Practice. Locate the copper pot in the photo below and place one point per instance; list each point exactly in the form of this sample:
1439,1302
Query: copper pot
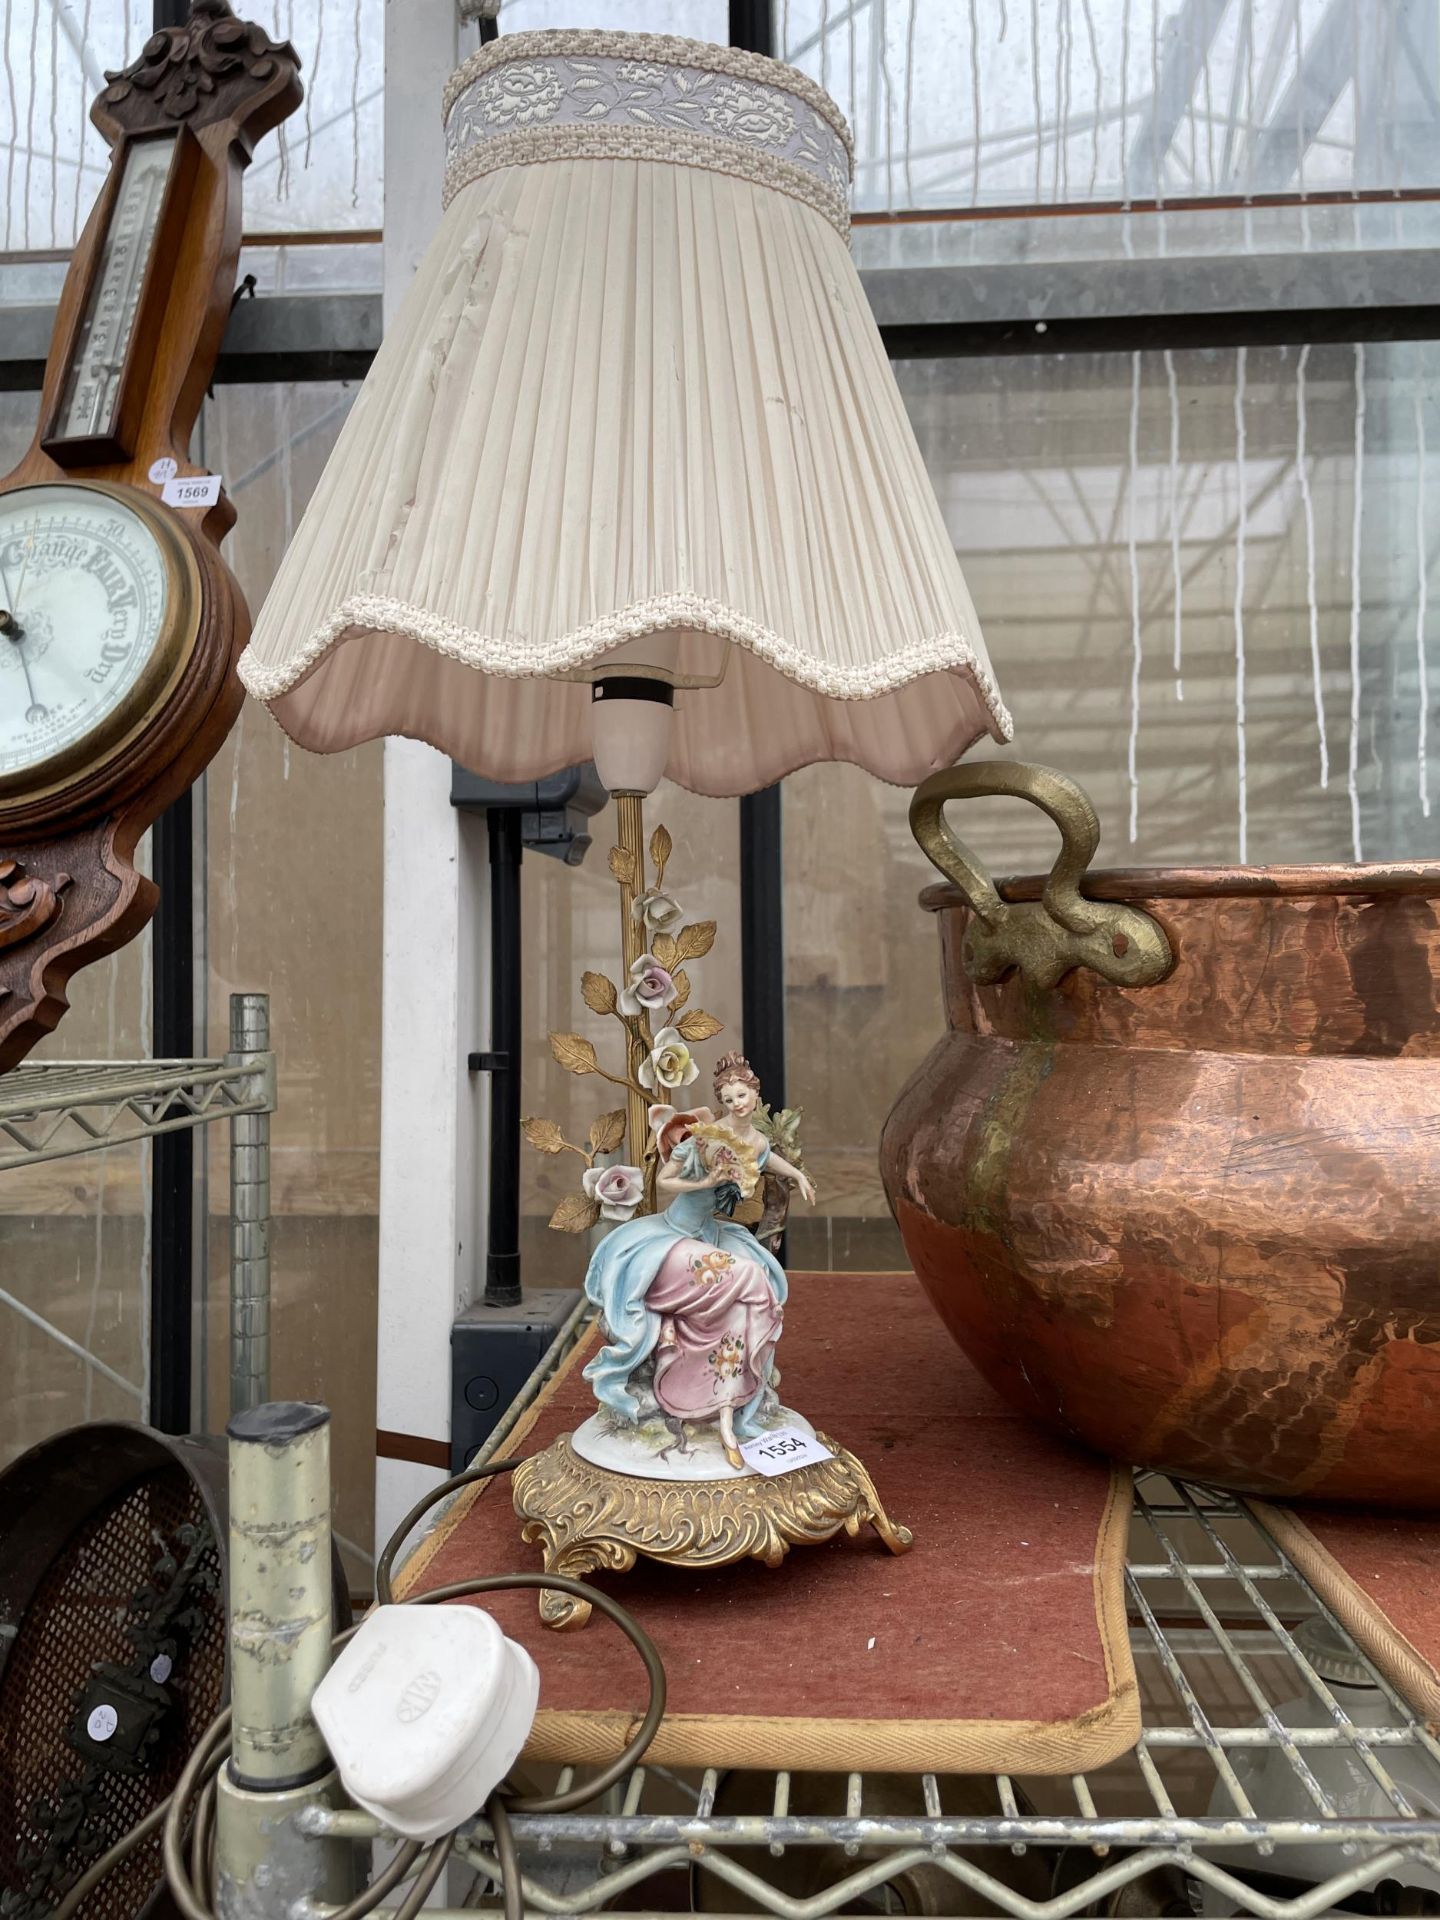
1172,1178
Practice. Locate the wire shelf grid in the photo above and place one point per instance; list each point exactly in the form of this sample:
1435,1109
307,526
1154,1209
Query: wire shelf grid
53,1109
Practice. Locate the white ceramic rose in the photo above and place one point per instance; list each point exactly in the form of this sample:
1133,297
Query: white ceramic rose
670,1064
660,911
619,1190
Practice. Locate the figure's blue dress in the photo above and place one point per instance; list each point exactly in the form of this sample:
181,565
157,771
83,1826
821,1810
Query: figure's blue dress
706,1273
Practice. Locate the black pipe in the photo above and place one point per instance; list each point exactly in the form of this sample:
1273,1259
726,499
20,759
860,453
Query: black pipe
762,919
172,1155
762,941
752,25
502,1261
172,1162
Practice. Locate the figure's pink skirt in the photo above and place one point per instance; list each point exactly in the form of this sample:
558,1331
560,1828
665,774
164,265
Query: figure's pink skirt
726,1321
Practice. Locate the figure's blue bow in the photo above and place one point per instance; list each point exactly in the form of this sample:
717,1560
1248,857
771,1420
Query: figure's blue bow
727,1198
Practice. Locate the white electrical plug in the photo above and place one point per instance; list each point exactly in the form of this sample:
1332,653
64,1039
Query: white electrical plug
425,1712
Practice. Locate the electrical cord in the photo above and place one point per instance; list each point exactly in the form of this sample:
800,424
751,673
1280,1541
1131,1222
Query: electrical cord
427,1876
508,1855
384,1595
193,1800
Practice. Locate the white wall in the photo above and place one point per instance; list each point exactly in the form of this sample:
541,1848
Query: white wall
434,986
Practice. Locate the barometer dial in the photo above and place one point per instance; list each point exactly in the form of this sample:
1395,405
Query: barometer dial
97,611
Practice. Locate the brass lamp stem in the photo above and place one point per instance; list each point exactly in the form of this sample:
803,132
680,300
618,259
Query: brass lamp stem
630,830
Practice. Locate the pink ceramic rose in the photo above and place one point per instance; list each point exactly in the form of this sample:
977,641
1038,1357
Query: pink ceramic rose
619,1190
670,1128
651,989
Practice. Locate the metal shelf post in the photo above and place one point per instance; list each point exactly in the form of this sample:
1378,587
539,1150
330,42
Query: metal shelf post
250,1206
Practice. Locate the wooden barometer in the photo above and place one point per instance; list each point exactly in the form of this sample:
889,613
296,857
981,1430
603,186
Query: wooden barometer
120,624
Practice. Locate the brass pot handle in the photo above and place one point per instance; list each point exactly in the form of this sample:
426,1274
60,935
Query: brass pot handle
1044,938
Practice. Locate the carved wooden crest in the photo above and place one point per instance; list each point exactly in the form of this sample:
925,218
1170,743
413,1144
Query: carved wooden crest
214,68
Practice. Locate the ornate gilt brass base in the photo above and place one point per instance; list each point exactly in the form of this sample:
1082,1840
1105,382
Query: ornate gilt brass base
586,1517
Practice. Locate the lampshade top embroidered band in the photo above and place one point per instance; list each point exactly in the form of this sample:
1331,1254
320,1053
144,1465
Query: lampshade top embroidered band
538,96
633,414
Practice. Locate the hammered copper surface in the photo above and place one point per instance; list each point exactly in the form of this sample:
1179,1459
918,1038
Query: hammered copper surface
1195,1225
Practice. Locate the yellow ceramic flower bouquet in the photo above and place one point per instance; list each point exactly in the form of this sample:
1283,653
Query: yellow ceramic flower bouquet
659,1028
736,1160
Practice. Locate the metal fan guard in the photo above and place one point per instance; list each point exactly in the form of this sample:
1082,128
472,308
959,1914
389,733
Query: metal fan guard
82,1519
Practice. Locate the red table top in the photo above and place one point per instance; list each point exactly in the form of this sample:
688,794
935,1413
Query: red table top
996,1644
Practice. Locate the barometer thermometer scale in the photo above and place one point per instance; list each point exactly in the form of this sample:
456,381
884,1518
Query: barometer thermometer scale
147,198
120,624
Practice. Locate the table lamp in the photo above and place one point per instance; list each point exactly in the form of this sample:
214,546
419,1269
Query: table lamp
631,478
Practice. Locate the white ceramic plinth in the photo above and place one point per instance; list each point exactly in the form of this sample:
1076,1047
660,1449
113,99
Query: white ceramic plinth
652,1452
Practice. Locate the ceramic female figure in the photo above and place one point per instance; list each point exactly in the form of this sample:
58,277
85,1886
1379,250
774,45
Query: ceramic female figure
693,1304
738,1091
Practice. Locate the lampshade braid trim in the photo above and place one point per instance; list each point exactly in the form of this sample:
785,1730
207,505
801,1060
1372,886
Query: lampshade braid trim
608,96
529,144
664,48
527,660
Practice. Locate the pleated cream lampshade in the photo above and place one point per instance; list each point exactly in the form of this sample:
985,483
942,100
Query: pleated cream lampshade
633,419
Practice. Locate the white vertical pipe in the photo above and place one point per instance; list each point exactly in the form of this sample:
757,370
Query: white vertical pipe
1352,777
975,141
314,81
1300,137
1176,577
1035,94
13,145
909,99
1241,516
1063,36
1132,543
282,173
1422,600
32,95
1312,603
1099,107
358,28
57,239
1127,236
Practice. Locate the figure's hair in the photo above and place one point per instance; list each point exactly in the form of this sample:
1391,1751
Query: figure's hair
734,1066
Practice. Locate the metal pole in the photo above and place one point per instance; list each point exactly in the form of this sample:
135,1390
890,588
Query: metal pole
281,1622
630,832
172,1155
762,919
762,940
752,25
250,1208
502,1263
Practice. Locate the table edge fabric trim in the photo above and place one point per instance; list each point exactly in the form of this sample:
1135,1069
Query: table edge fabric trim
1361,1615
